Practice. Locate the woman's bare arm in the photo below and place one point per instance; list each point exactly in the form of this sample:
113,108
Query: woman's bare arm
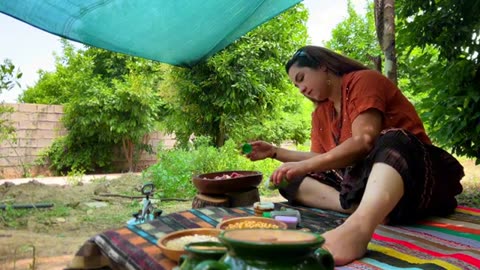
365,130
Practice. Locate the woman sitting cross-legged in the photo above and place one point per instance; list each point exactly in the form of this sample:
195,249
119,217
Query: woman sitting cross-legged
370,155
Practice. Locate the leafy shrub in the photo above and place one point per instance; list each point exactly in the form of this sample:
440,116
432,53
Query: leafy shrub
66,155
175,168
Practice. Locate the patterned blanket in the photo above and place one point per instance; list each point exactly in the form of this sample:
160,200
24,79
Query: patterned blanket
435,243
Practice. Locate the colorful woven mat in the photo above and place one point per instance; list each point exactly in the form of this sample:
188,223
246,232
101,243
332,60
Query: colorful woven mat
436,243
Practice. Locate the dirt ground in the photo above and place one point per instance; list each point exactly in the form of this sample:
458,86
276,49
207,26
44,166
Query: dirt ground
48,238
52,235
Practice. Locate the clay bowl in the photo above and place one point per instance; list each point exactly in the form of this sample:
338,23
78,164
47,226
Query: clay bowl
246,180
254,222
173,253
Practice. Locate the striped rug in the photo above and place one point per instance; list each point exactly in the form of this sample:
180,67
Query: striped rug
436,243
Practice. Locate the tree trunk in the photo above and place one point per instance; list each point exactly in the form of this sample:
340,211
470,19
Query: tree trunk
379,26
132,152
385,25
221,136
128,152
389,41
377,61
202,200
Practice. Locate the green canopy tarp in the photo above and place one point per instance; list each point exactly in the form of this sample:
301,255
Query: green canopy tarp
178,32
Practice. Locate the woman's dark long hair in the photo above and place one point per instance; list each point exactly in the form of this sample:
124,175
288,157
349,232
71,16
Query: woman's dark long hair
314,57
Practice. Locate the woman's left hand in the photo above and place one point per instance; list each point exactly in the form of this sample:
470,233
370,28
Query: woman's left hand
289,170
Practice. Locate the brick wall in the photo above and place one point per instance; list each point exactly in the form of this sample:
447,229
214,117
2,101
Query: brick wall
36,126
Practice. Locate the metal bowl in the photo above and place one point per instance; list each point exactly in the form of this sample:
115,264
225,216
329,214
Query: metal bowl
246,180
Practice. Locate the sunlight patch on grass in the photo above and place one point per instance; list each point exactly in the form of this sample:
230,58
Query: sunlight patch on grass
471,193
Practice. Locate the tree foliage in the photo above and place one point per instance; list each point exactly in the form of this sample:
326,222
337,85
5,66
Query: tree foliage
439,43
110,101
122,114
242,92
9,76
73,73
356,36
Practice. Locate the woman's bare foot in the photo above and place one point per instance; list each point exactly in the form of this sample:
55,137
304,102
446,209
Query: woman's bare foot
347,242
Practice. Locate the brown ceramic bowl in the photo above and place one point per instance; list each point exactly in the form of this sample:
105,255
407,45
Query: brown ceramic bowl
207,184
258,221
174,254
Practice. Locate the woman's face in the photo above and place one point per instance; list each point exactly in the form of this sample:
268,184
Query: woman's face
312,83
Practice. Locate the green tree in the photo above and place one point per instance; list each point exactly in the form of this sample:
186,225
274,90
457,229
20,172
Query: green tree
356,36
76,71
439,45
123,114
110,102
242,92
73,73
9,77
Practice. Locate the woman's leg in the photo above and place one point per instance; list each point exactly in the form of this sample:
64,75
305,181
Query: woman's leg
313,193
383,191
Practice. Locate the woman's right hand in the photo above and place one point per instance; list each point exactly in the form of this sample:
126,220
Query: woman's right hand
261,150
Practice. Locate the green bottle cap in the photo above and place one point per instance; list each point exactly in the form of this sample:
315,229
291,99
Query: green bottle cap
267,214
246,148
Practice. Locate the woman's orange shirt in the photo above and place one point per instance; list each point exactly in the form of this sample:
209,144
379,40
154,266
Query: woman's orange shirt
363,90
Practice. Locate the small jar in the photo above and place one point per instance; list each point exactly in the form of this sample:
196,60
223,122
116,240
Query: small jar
262,207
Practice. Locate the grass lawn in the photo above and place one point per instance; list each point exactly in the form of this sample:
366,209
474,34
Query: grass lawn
471,184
